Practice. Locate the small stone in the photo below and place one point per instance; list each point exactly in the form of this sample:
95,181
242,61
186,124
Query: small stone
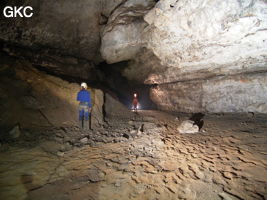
95,175
27,134
59,135
15,132
194,155
84,140
117,184
251,114
60,154
126,135
68,147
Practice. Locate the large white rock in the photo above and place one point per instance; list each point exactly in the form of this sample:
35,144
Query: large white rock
188,126
204,55
199,39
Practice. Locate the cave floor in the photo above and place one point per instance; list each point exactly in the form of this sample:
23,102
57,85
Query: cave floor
226,160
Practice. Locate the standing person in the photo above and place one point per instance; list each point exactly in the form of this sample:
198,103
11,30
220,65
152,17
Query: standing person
135,102
85,107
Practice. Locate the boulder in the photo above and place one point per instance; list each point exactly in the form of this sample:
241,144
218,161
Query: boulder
188,126
15,132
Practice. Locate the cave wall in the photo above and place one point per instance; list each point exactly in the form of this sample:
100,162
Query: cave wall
72,27
34,99
240,93
62,36
202,55
187,48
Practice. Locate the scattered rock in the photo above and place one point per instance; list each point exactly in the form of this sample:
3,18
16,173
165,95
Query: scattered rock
130,122
84,140
188,126
95,175
251,114
126,135
133,131
117,184
51,147
15,132
60,154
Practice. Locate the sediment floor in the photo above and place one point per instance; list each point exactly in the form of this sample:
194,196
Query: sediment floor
144,158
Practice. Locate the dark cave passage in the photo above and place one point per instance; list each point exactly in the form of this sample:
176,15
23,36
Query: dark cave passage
109,78
124,88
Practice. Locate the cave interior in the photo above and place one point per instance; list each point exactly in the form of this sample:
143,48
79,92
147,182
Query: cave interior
198,69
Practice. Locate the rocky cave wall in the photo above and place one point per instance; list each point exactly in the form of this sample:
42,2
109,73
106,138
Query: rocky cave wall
204,55
62,36
32,99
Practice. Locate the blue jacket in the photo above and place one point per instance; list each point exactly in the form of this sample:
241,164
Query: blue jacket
84,97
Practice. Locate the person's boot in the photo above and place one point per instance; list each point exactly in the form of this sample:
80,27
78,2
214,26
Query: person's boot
86,125
81,124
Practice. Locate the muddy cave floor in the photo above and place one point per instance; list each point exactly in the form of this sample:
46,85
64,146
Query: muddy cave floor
142,158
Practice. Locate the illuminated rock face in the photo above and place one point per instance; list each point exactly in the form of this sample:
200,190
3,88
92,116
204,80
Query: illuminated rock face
204,55
241,93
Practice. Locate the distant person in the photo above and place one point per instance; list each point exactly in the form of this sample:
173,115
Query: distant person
135,102
85,107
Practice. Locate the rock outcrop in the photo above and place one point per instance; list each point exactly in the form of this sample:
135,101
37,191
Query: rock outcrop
203,55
